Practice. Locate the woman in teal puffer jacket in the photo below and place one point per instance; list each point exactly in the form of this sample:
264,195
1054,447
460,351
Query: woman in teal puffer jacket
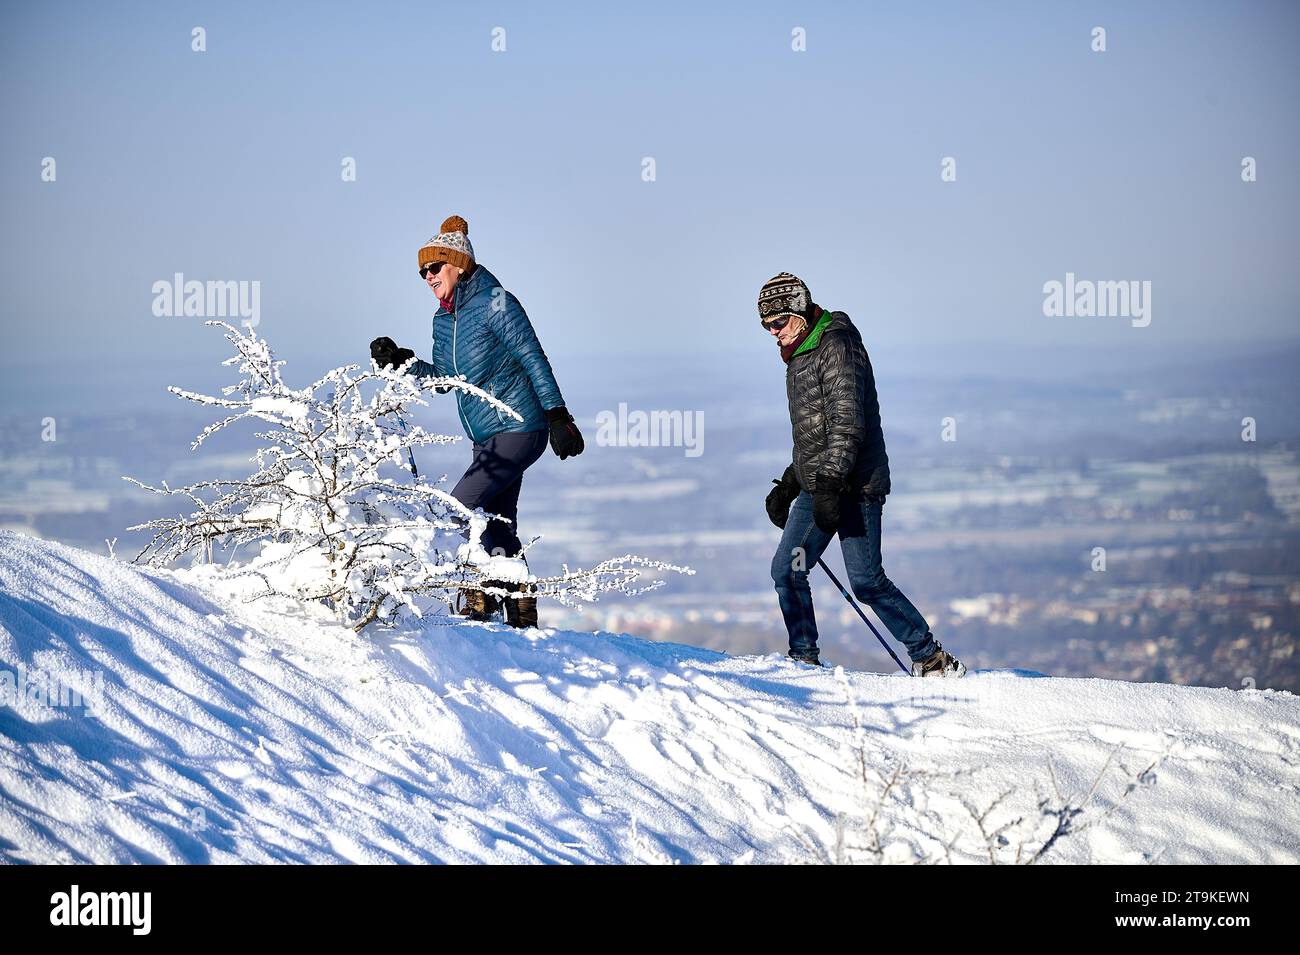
482,332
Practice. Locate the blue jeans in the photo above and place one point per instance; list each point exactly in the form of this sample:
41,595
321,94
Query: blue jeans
803,543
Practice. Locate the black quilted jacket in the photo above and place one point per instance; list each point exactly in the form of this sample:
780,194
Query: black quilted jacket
834,412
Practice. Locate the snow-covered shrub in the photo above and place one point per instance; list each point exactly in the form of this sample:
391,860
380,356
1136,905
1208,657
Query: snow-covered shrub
334,511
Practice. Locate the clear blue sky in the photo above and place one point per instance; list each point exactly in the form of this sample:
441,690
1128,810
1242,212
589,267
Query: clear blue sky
226,165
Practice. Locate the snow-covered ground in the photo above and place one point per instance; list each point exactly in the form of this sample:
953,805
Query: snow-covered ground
228,731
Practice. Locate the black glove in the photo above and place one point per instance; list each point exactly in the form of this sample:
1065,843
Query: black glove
566,439
782,496
385,352
826,503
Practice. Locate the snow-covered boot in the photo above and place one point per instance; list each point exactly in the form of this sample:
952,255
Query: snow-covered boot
477,605
521,612
939,663
809,657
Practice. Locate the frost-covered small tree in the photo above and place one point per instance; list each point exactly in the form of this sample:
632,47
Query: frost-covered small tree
334,511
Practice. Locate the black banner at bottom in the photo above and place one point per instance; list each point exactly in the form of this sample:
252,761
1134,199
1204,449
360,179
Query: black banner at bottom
1220,905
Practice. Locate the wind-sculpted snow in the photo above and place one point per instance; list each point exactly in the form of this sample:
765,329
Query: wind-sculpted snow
265,732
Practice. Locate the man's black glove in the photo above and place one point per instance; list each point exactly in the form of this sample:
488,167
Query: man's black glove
782,496
566,439
826,503
385,352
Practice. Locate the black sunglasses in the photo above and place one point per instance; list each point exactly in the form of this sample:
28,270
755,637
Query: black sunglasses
778,323
430,267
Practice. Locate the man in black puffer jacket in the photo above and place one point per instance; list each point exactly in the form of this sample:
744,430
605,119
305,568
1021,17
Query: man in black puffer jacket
839,475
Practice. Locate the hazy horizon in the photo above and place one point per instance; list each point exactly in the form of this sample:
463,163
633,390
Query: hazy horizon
225,165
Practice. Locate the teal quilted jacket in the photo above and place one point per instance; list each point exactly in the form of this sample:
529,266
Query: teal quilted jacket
488,338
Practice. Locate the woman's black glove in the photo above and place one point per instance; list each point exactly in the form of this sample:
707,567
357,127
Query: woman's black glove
385,352
566,439
781,497
826,503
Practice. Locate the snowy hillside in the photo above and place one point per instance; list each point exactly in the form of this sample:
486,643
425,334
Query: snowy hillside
229,731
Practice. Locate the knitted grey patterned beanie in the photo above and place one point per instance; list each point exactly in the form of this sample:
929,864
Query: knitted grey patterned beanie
784,294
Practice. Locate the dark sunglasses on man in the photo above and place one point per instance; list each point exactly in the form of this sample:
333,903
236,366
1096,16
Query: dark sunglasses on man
778,323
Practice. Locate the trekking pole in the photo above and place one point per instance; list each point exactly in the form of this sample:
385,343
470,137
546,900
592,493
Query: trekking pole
415,472
415,475
852,603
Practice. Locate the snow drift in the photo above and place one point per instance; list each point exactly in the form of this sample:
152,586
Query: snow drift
265,732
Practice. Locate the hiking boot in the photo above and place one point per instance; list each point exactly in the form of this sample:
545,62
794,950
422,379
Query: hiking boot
940,663
477,605
521,612
809,657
